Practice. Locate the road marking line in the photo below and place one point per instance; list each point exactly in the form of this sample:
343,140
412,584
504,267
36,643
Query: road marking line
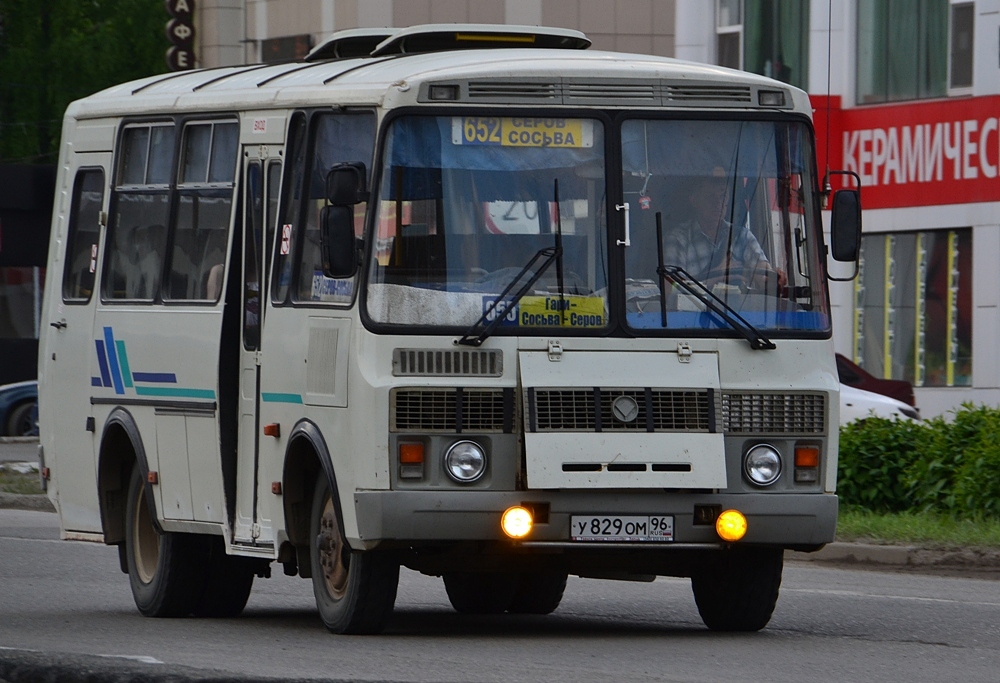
914,598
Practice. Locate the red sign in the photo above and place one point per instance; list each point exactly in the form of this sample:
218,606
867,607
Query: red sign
917,153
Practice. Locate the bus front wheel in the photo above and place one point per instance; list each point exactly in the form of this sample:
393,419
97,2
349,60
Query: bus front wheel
738,591
355,590
165,570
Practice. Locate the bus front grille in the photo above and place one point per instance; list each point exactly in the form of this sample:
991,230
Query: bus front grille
773,413
617,409
451,410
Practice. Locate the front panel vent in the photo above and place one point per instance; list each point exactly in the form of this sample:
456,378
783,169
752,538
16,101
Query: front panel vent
773,413
447,362
451,410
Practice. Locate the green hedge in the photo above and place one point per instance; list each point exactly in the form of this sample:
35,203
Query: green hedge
942,465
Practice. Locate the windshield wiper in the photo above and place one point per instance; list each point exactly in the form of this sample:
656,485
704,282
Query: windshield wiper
698,290
470,338
551,254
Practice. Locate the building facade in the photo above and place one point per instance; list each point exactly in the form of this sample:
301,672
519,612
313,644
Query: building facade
232,32
907,96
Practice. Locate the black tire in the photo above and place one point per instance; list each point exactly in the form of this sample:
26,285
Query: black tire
538,593
480,593
228,582
166,571
20,421
739,591
355,591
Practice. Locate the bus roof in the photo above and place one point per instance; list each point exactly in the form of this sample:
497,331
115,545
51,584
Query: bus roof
528,76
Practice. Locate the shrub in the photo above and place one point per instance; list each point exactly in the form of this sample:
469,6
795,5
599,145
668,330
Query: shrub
874,454
946,466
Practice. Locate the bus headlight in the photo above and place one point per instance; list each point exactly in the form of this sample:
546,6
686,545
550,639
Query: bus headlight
762,465
465,461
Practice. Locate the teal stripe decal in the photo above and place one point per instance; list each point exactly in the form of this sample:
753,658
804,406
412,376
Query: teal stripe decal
175,392
123,360
268,397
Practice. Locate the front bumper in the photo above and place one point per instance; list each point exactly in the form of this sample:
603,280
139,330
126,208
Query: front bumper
776,519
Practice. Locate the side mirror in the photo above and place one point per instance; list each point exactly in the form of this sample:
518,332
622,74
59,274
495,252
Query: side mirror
337,242
346,184
845,225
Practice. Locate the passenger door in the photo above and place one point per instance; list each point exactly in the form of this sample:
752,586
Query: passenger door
261,178
68,364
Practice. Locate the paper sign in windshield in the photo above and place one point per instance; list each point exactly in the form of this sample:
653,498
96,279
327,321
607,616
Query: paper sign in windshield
522,132
578,312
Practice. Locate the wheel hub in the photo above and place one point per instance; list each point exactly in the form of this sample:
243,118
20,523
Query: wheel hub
332,552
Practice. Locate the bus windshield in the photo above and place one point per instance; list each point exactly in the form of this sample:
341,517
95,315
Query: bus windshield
471,210
731,205
464,206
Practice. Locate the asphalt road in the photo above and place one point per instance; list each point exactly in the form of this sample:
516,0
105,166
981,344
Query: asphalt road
64,599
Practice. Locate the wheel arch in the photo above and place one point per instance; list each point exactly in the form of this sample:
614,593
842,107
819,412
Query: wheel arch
120,451
306,458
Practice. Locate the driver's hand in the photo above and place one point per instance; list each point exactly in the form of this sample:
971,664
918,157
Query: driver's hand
764,274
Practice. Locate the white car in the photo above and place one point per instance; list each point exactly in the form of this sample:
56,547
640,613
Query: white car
857,404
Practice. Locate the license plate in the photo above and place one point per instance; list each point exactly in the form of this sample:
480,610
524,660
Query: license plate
622,528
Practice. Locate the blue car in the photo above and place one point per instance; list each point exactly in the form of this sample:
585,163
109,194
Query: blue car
19,409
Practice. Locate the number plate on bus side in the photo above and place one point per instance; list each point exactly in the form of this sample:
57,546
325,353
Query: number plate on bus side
622,528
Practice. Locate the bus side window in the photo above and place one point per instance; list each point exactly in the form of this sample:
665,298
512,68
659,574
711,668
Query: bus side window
291,206
83,235
137,231
201,228
336,138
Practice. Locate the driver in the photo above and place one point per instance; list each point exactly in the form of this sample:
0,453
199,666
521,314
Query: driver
712,248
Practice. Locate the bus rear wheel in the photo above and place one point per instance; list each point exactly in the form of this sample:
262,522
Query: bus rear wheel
480,592
228,582
538,593
739,590
355,590
166,571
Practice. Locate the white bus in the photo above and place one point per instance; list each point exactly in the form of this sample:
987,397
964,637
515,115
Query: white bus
471,300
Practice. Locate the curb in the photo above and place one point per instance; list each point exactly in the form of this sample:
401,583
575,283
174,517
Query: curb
23,501
985,560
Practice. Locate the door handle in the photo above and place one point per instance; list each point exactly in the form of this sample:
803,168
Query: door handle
59,325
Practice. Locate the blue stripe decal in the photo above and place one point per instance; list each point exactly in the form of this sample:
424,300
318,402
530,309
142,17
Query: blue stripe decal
160,377
96,381
269,397
175,392
102,361
123,357
116,375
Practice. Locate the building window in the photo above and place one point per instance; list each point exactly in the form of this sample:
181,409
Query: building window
776,40
728,30
767,37
962,21
903,49
913,307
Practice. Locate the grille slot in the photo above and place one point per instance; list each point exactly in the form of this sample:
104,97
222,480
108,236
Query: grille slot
706,93
573,410
447,363
755,413
451,410
514,90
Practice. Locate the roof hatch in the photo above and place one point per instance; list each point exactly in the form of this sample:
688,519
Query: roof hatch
442,37
352,42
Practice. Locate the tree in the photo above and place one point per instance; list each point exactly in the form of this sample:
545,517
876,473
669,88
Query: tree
55,51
